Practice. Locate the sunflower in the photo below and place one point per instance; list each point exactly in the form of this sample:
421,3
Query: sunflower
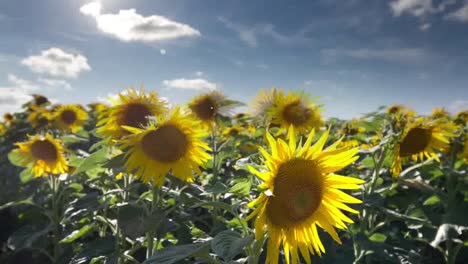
297,110
352,128
207,107
40,100
3,129
132,108
263,102
70,117
39,117
232,131
440,113
461,118
352,143
8,118
421,139
302,191
43,154
174,142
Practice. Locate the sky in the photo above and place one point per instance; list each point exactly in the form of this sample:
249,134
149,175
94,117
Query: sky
355,55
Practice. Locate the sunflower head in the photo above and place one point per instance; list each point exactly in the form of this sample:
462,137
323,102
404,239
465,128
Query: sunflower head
8,118
70,117
262,103
207,107
3,129
39,117
297,110
132,108
419,140
40,100
440,113
43,154
352,128
461,118
173,143
232,131
303,192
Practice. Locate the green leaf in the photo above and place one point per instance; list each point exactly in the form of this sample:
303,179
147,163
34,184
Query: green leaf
228,244
95,249
15,157
16,203
210,205
78,233
378,237
26,175
174,254
368,163
93,161
432,200
242,187
131,219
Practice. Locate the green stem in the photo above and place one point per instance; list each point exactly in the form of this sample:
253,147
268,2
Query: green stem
155,203
451,204
54,186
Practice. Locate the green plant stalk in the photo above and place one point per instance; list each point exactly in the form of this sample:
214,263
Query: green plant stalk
451,253
54,184
215,167
154,205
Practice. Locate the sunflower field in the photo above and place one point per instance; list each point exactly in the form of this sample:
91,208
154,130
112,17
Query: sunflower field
141,180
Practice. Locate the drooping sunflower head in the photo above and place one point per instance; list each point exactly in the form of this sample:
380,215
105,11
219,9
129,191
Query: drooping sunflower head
302,192
132,108
70,117
440,113
8,118
263,102
419,140
352,128
40,100
39,117
173,143
43,154
207,107
297,110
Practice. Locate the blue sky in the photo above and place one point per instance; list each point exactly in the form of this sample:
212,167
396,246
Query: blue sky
355,55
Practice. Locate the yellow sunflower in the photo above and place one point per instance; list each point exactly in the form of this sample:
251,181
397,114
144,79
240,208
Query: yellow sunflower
132,108
44,154
174,142
70,117
440,113
39,117
232,131
461,118
352,143
3,129
352,128
297,110
263,102
8,118
302,191
207,107
421,139
40,100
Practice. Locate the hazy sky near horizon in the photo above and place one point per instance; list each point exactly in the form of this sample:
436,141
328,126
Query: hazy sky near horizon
355,55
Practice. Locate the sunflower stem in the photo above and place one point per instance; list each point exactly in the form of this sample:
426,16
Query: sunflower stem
155,204
451,252
215,167
54,187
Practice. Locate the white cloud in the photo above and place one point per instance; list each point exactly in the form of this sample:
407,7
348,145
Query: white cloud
57,62
199,73
162,51
460,15
11,99
55,83
22,84
190,84
128,25
413,7
425,26
250,35
387,54
458,106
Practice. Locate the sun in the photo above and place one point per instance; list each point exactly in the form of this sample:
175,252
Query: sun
419,140
132,108
302,192
43,154
174,142
70,117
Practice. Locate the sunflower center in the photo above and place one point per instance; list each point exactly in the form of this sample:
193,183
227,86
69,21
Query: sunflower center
297,193
135,115
296,114
415,141
166,144
68,117
40,100
44,150
205,109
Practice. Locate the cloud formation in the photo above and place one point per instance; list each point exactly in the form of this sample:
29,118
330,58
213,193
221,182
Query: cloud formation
11,99
460,15
129,26
190,84
57,62
55,83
